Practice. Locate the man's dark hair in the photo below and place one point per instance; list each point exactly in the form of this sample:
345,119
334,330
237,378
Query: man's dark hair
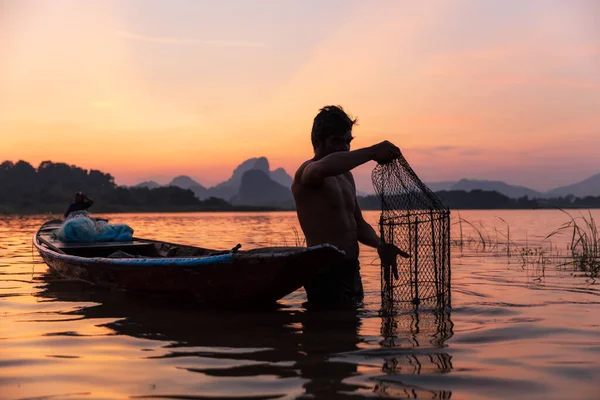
331,120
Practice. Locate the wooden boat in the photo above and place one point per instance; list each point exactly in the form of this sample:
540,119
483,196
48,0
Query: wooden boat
210,277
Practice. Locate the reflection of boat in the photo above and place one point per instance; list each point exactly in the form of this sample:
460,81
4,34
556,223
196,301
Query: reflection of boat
222,278
275,353
180,324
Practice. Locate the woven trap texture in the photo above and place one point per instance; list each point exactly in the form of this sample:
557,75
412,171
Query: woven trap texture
414,219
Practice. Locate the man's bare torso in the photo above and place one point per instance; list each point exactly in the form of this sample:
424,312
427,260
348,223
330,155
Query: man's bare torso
326,211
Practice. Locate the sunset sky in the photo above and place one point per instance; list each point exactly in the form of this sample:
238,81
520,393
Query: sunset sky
504,89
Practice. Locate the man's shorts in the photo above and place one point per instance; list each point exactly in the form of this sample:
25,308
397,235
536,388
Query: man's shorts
340,284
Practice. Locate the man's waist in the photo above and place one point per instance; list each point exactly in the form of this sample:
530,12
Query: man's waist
348,264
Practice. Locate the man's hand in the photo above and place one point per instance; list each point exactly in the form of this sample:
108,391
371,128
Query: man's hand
384,152
388,254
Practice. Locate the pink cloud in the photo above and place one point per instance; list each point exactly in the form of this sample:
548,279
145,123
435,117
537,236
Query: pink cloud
186,40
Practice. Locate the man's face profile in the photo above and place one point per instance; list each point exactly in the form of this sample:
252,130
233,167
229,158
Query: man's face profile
336,143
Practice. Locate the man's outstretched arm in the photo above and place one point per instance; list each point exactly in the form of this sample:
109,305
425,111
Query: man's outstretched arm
344,161
335,164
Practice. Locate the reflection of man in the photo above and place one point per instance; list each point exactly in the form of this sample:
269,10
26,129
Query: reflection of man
327,335
325,195
82,202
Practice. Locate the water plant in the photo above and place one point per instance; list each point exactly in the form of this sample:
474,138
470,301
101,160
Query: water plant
584,246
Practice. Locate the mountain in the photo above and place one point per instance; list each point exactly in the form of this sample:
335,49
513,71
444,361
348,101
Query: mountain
185,182
281,177
481,184
587,187
258,163
258,189
439,186
228,189
148,184
498,186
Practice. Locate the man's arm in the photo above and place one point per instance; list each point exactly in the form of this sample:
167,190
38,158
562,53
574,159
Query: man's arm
366,235
88,202
364,231
335,164
344,161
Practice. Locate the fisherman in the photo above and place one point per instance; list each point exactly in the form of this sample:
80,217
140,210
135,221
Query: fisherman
82,203
325,194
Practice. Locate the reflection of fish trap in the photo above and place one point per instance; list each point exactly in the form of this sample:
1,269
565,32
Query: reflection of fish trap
428,329
417,328
414,219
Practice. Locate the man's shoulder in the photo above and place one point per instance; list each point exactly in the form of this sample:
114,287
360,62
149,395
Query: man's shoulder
305,164
300,170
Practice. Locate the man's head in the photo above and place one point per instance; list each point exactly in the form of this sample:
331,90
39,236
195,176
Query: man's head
332,130
79,197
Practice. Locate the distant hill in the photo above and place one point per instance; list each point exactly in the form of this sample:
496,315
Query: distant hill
258,189
468,185
185,182
438,186
49,189
587,187
496,186
281,176
148,184
228,189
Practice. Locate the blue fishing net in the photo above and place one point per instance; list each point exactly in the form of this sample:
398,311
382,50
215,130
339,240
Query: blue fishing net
84,229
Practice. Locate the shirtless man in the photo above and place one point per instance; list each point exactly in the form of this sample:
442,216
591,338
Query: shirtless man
328,211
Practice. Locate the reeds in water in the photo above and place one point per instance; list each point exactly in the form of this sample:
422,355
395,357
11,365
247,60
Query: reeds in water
582,253
584,247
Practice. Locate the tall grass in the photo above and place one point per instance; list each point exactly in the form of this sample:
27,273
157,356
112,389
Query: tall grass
461,242
585,243
582,253
299,240
507,236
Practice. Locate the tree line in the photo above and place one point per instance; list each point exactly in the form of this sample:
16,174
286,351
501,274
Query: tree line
51,186
489,200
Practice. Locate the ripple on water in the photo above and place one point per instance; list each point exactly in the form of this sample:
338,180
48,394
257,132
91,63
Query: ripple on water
506,337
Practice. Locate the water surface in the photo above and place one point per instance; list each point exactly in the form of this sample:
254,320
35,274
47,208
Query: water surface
513,332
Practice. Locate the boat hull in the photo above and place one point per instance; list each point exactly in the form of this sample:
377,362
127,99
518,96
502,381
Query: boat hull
230,279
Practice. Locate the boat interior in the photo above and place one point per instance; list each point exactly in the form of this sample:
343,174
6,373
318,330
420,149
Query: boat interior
138,247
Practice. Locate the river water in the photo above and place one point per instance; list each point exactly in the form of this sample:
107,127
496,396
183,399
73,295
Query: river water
514,331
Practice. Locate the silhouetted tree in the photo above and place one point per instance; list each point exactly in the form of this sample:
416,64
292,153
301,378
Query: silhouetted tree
51,187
